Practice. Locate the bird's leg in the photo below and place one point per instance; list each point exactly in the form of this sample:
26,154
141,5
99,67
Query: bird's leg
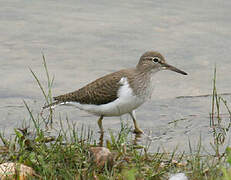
137,130
100,124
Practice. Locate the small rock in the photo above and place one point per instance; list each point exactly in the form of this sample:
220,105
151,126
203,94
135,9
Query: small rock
101,156
182,164
178,176
15,171
162,165
174,161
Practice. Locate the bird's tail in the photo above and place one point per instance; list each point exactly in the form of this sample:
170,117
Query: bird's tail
52,105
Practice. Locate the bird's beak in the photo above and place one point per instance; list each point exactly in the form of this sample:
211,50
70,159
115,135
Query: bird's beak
172,68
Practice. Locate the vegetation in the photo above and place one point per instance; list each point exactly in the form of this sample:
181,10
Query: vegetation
67,156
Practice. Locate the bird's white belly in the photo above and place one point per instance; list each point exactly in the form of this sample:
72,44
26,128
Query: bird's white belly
116,108
125,103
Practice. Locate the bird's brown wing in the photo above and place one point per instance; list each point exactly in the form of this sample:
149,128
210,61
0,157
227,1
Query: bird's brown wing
101,91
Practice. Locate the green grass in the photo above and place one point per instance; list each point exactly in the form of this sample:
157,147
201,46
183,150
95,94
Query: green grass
66,156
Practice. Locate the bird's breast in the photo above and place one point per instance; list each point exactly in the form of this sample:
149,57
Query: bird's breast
143,86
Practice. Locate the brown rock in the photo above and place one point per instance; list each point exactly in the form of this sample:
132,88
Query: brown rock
101,156
12,170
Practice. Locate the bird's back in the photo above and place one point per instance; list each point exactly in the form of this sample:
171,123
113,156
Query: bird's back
98,92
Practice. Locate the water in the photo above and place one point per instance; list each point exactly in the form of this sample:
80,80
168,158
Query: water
83,40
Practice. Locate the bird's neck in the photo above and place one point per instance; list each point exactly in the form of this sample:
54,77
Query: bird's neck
141,83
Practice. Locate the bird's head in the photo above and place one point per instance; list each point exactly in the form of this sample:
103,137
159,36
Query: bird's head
153,61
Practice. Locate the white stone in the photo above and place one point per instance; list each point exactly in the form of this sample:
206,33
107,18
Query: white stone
178,176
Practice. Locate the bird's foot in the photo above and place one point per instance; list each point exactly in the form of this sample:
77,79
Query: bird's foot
101,131
138,131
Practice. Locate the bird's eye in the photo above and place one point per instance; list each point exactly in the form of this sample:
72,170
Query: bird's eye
155,60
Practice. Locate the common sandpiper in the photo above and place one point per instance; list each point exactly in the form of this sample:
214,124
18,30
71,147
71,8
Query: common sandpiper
120,92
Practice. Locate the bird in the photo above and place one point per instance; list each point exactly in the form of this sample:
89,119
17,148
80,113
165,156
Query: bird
120,92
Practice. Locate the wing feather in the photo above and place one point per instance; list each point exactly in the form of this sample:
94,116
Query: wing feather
101,91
